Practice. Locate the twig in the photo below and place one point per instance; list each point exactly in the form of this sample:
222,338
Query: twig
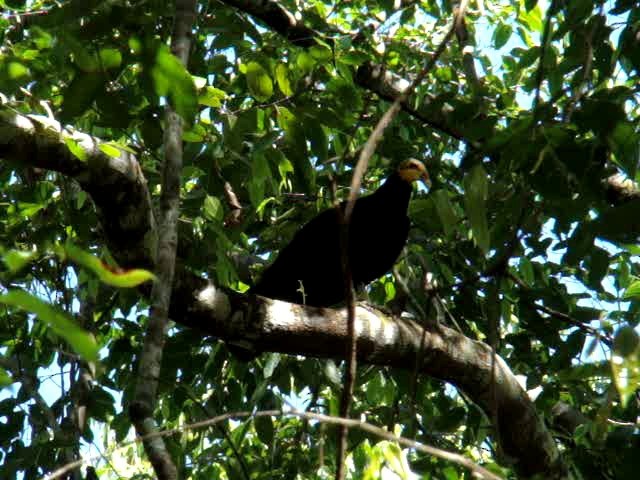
560,315
356,182
586,75
475,469
540,72
371,143
462,35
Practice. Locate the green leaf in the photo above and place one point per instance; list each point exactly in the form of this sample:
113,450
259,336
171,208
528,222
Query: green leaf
76,149
196,134
259,82
396,459
633,292
15,260
212,97
84,59
5,378
501,35
213,208
445,211
476,189
321,53
115,277
625,144
259,174
626,341
598,266
80,94
171,79
317,139
110,58
30,209
273,359
264,429
82,342
626,375
282,78
618,223
354,58
526,270
109,149
305,62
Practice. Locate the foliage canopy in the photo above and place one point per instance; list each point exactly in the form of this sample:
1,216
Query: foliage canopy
527,240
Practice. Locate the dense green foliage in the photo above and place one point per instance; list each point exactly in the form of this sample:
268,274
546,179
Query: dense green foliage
525,243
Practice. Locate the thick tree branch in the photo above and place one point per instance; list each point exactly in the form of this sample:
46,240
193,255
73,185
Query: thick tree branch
278,19
116,185
381,340
278,326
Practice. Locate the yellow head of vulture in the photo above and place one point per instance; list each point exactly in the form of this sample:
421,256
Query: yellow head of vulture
411,170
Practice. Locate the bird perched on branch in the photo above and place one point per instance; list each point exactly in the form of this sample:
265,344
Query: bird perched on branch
309,269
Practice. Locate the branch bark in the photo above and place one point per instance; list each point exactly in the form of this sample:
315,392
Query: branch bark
278,326
442,353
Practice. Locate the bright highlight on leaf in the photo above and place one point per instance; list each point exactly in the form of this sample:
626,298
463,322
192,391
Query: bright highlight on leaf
82,342
213,208
625,363
121,279
76,149
633,292
212,97
5,378
282,77
109,150
259,82
15,260
172,79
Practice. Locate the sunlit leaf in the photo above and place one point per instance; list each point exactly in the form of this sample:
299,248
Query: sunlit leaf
110,58
117,278
282,78
5,378
77,151
213,208
172,79
109,149
211,97
259,82
196,133
633,291
82,342
305,62
17,71
321,53
15,260
626,375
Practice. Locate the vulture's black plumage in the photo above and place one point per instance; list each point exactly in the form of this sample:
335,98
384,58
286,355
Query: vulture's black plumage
308,270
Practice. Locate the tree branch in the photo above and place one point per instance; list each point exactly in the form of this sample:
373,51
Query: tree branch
278,326
144,399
